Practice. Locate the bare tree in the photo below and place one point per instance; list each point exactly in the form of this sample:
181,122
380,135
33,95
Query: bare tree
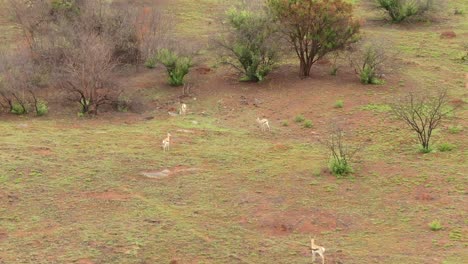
342,151
423,113
87,72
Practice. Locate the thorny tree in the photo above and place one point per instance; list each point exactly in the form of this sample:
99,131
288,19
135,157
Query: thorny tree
422,113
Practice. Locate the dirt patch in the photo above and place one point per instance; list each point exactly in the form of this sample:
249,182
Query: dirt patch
448,35
3,236
43,151
108,195
312,221
84,261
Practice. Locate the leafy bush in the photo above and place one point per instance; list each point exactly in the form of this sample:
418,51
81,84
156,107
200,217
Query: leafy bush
399,10
250,44
41,108
308,124
18,109
340,167
315,28
299,119
177,66
285,123
445,147
435,225
339,104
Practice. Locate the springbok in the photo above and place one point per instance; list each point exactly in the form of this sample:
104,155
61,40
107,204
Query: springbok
183,109
264,124
166,142
317,250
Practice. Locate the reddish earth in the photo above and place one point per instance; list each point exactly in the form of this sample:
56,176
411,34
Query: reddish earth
448,35
108,195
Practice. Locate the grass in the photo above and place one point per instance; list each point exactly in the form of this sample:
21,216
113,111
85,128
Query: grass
339,104
444,147
435,225
299,119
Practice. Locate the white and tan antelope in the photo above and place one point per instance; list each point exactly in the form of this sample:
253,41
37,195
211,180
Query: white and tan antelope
166,142
264,124
183,109
317,250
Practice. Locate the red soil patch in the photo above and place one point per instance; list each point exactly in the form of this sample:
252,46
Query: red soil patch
424,194
43,151
84,261
3,236
312,221
448,35
203,70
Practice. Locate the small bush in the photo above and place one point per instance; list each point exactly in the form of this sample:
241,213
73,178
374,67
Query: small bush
339,104
299,119
367,61
334,70
445,147
435,225
285,123
340,167
455,129
400,10
41,108
18,109
177,66
308,124
425,150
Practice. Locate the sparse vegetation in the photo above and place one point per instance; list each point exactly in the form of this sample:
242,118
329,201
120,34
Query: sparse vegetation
455,129
443,147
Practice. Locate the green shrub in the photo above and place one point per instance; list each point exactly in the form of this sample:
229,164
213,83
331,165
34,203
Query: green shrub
435,225
299,119
425,150
177,66
308,124
41,108
285,123
458,11
339,104
445,147
367,61
399,10
18,109
340,167
249,46
334,70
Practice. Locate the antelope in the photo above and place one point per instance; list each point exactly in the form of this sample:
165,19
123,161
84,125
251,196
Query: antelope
166,142
317,250
264,124
183,109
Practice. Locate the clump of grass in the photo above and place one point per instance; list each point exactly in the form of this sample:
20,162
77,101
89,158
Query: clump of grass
340,167
425,150
339,104
458,11
299,119
456,235
41,108
151,62
455,129
445,147
285,123
18,109
435,225
308,124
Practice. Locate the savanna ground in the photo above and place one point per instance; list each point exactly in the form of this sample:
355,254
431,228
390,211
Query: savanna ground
72,189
